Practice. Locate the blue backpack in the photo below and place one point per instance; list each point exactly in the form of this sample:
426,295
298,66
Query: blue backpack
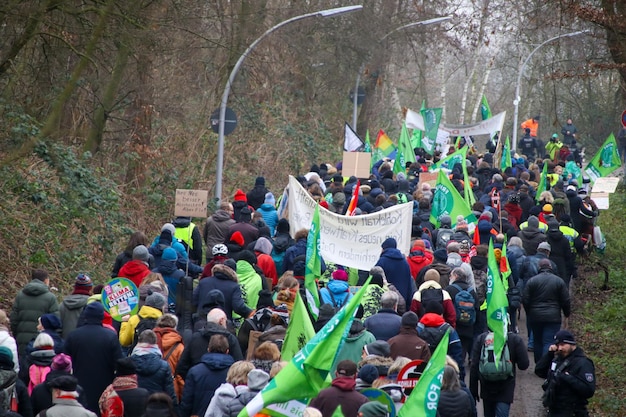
465,306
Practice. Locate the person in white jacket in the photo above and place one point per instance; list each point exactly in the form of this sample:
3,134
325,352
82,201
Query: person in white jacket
7,340
236,382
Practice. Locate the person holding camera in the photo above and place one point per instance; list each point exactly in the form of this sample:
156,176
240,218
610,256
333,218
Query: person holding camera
570,377
552,147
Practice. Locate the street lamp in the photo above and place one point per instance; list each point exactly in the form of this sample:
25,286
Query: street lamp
222,121
358,76
517,99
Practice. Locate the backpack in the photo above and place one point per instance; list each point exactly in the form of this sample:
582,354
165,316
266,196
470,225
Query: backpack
36,374
443,237
431,294
465,307
145,323
480,285
337,306
433,335
487,363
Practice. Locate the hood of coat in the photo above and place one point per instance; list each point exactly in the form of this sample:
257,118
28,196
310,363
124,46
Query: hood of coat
432,320
337,286
217,361
147,364
35,288
75,301
221,271
168,336
221,216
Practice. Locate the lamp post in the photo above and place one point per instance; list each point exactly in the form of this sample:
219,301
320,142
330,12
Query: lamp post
358,76
517,99
222,121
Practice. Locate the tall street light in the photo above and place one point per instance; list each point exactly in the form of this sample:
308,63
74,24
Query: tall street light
358,76
517,99
222,121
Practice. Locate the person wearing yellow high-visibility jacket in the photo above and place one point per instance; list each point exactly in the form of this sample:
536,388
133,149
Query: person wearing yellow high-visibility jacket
189,234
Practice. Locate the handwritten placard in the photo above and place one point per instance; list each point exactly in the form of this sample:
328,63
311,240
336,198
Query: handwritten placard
191,203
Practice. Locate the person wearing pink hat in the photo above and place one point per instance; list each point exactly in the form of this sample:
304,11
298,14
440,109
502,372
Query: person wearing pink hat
337,291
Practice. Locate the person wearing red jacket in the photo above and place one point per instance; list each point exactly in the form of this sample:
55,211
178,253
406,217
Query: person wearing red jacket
137,268
418,257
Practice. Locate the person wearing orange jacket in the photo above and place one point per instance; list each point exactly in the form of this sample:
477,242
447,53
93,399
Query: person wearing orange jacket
532,124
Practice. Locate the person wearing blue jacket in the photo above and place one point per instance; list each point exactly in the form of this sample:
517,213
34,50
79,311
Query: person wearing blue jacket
204,378
396,268
337,291
153,373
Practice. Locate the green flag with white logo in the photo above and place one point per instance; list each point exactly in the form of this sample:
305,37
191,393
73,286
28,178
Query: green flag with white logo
448,201
299,331
424,398
605,161
431,117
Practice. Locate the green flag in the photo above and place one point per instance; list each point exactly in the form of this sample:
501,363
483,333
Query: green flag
497,303
468,193
404,145
424,398
485,110
573,171
431,117
313,268
447,200
456,157
368,144
605,161
299,331
506,155
307,373
416,138
399,164
543,180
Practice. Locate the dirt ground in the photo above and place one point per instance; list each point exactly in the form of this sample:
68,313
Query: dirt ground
527,402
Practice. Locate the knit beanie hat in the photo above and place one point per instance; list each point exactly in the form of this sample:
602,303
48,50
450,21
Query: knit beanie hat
50,322
368,373
62,362
378,348
169,254
6,358
441,255
240,196
169,227
269,199
83,280
141,253
432,275
237,238
340,275
409,319
373,409
389,243
155,300
259,181
125,366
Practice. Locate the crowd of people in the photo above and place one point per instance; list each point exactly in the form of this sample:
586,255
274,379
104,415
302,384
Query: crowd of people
71,358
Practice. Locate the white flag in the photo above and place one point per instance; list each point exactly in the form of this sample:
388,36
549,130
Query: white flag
351,141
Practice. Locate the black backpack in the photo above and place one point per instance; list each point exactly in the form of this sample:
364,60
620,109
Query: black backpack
431,294
433,335
145,323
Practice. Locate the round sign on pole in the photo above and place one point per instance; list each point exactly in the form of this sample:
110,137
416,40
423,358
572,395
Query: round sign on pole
120,297
624,118
411,373
230,121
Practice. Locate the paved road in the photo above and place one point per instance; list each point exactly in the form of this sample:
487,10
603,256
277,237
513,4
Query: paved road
527,402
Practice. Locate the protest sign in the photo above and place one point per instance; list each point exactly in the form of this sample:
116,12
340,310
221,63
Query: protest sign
120,297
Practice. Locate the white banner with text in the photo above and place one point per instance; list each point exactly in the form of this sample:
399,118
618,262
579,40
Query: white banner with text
352,241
